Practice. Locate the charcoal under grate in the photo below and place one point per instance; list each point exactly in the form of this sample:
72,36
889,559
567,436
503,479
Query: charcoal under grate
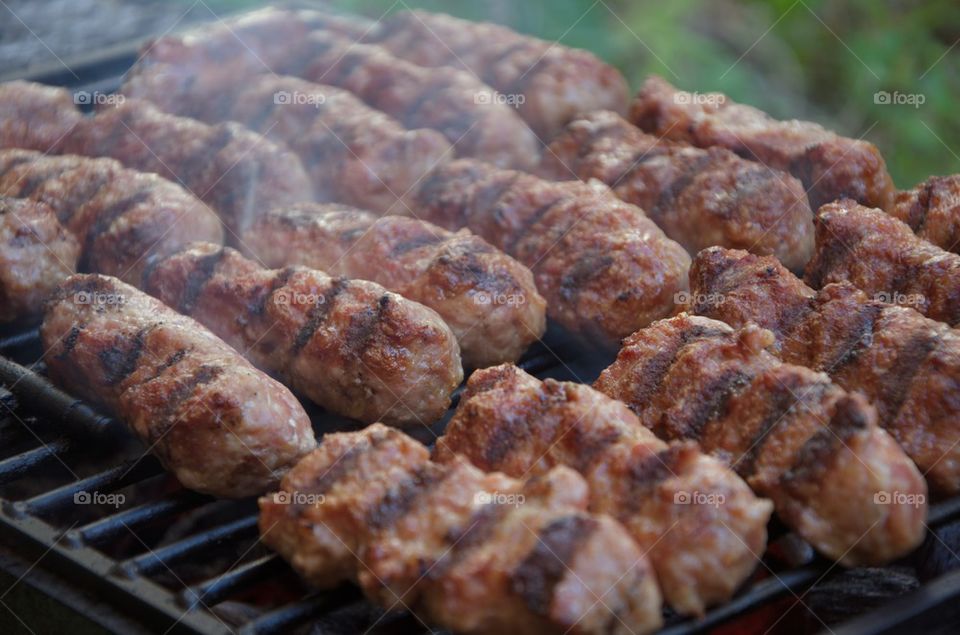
87,519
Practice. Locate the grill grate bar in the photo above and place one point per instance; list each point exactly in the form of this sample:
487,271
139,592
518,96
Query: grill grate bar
111,526
215,590
158,559
110,480
282,619
19,465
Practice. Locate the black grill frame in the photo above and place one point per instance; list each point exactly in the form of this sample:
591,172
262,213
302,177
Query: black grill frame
69,560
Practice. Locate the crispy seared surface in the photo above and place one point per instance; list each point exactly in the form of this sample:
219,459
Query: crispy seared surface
698,197
36,253
237,172
349,345
511,422
353,153
905,364
221,426
451,101
487,298
120,217
35,117
932,210
467,550
556,82
795,437
881,255
830,166
604,268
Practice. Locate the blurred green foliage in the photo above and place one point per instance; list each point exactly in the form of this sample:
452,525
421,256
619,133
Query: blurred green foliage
809,59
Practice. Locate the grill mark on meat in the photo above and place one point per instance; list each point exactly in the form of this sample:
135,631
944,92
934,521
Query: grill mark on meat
400,500
588,266
528,223
485,199
637,161
111,213
363,326
669,194
197,278
202,376
896,383
20,160
70,341
35,178
344,465
536,577
921,210
120,361
858,340
828,255
199,162
815,456
711,404
414,243
258,305
783,403
644,473
506,434
168,363
655,370
318,314
425,97
479,528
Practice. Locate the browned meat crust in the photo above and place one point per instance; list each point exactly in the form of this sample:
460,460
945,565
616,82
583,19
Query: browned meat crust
906,364
603,266
453,102
830,166
511,422
353,153
556,82
36,253
486,298
237,172
795,437
35,117
469,551
349,345
221,426
882,256
698,197
120,217
932,210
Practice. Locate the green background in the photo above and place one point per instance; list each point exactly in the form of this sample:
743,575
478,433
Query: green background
808,59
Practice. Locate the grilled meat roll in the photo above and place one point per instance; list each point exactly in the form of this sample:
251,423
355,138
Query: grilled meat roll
473,552
121,218
349,345
797,438
932,210
36,254
34,116
236,172
352,153
698,197
552,83
882,256
830,166
603,266
220,425
487,299
905,364
511,422
469,113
